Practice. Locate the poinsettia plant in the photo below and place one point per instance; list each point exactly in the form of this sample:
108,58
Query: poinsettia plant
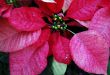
68,30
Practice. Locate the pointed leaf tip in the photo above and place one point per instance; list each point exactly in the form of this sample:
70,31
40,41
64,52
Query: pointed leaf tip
58,68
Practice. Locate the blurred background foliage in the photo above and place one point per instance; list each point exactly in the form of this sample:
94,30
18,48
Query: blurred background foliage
4,64
53,67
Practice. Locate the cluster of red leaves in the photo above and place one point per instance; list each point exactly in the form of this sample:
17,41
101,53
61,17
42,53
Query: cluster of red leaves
23,33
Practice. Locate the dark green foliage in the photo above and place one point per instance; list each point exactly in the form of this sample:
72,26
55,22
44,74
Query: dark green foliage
4,64
48,70
109,68
72,69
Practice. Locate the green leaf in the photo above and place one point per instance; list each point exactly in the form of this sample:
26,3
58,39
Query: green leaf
108,68
58,68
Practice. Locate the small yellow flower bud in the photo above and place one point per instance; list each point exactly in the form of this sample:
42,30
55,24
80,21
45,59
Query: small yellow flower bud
61,28
55,19
53,26
58,26
60,18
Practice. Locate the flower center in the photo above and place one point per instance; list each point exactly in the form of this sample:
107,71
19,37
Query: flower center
19,3
58,23
11,2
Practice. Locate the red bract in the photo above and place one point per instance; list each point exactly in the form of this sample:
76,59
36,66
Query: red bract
60,48
101,23
50,8
27,19
83,9
90,52
102,26
36,33
4,7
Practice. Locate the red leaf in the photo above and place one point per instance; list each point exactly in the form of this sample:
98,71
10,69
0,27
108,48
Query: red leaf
38,61
45,34
74,23
90,52
60,48
29,61
26,19
83,9
50,8
66,4
101,23
6,30
105,3
3,7
56,7
12,40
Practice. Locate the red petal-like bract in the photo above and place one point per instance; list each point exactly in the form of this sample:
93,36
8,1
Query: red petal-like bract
90,52
3,7
12,40
101,23
26,19
29,61
19,41
83,9
38,61
105,3
74,23
43,37
6,30
60,48
50,7
66,4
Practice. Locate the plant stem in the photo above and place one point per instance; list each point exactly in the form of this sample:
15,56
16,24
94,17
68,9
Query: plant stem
71,31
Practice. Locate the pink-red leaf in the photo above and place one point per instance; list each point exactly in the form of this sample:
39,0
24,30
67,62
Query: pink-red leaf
43,37
90,52
38,61
101,23
3,7
83,9
29,61
18,41
50,7
60,48
66,5
6,30
105,3
26,19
